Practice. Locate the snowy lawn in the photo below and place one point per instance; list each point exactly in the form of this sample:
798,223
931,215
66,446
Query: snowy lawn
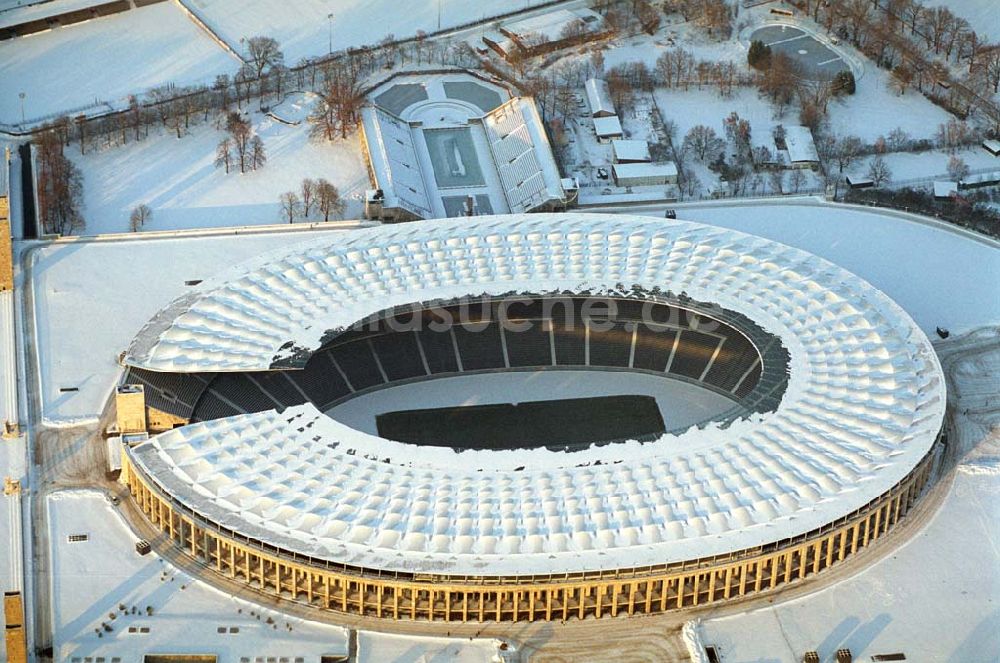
303,29
105,59
875,109
91,578
178,179
939,277
982,15
935,599
694,107
906,165
91,298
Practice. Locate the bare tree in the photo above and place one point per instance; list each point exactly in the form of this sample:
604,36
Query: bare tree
846,151
797,178
308,190
902,77
339,107
898,139
264,54
878,171
258,157
328,199
290,205
702,141
239,131
958,170
140,215
777,178
224,153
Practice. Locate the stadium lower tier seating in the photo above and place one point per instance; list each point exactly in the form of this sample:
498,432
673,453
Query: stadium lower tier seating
443,339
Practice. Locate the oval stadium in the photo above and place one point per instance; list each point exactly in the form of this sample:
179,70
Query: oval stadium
528,417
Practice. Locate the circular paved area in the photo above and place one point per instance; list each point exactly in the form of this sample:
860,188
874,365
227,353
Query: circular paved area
819,62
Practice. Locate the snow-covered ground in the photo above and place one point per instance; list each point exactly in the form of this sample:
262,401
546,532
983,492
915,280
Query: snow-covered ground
178,179
386,648
917,601
935,598
93,579
72,68
106,59
982,15
906,166
302,27
92,298
938,276
681,404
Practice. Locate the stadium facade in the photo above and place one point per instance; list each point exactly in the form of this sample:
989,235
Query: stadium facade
837,403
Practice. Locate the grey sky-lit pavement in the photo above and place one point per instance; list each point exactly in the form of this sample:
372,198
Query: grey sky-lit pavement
817,60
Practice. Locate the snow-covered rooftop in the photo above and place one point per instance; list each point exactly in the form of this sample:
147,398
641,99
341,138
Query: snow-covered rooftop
625,171
599,97
630,150
799,141
864,403
945,189
607,127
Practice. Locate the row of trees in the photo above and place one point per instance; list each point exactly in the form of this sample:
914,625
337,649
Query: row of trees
918,43
60,184
319,195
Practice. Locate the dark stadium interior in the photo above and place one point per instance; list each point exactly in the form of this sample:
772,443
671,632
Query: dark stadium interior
559,425
707,346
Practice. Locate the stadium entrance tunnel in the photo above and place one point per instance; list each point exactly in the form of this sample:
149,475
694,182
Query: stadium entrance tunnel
562,371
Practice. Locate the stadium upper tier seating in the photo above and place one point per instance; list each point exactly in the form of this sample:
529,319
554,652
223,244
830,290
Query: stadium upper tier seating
749,365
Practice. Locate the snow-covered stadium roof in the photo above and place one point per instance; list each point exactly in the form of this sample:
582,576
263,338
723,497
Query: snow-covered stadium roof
864,403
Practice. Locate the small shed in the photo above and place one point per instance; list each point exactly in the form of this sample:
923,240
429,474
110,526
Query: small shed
859,182
644,174
992,146
943,190
599,98
630,151
608,128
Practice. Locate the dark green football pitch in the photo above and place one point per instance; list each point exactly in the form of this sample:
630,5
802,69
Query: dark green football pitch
557,424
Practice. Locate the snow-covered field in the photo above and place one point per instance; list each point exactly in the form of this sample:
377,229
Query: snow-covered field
905,165
875,109
92,579
105,59
178,179
302,27
939,277
982,15
917,601
92,298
